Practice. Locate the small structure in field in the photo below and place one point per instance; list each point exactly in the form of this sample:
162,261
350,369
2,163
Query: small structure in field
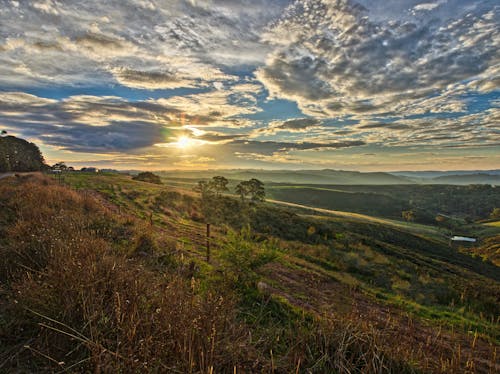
463,239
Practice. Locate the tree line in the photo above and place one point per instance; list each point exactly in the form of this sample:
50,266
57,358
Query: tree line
19,155
252,189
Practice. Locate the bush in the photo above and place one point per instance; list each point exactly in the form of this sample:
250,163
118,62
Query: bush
147,177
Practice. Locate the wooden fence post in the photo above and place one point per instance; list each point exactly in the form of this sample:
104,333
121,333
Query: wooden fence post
208,242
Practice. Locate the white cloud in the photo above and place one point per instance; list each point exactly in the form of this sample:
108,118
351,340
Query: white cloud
333,59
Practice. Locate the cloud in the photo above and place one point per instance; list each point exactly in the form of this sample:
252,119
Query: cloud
108,124
227,74
182,43
298,124
270,147
150,79
466,131
216,105
85,123
341,57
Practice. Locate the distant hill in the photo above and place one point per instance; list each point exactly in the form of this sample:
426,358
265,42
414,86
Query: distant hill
479,178
452,177
341,177
437,173
19,155
325,176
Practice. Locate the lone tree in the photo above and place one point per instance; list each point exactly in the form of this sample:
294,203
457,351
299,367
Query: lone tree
408,215
495,213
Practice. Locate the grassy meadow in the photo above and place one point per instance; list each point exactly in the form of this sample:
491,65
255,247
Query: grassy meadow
103,273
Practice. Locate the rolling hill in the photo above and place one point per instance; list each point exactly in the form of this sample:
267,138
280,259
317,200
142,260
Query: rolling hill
109,271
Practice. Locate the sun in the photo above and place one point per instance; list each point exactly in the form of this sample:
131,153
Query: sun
184,142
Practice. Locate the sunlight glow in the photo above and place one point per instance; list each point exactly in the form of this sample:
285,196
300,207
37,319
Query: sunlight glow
185,142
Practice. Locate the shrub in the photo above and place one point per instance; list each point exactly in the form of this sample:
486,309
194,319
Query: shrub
147,177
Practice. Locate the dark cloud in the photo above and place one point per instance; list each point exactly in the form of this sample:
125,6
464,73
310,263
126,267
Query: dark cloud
116,137
382,125
214,137
270,147
299,124
150,79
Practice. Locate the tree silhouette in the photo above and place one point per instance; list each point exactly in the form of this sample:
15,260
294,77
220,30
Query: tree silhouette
59,166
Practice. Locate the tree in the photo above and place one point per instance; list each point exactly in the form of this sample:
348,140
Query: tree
19,155
256,190
242,189
219,185
59,166
252,187
204,188
3,133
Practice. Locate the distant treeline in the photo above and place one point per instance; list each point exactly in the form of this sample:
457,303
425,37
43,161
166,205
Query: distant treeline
424,201
19,155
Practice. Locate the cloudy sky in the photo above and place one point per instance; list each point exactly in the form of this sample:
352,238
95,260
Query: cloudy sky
191,84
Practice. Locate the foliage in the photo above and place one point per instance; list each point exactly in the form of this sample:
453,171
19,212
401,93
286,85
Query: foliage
19,155
242,256
59,166
147,177
427,201
252,187
495,213
219,184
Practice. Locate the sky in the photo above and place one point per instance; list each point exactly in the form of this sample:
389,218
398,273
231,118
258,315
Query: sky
362,85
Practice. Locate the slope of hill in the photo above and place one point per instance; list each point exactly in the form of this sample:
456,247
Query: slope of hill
426,201
113,277
19,155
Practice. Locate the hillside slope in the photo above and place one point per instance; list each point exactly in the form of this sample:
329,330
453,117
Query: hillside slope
301,286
